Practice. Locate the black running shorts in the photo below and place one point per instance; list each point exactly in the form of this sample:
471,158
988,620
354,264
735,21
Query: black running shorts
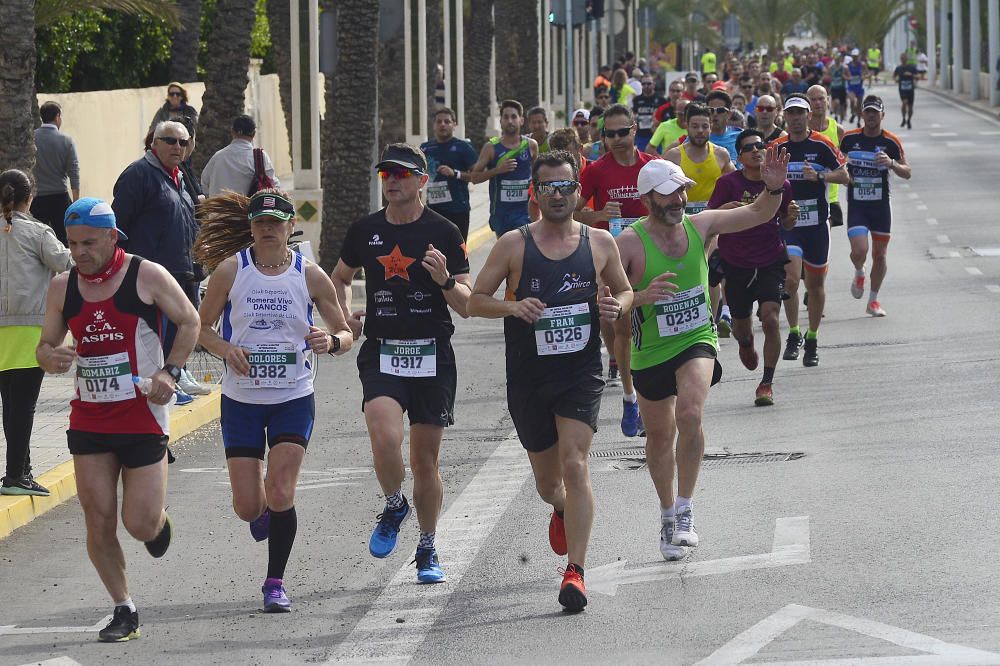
746,285
659,382
132,450
428,400
534,407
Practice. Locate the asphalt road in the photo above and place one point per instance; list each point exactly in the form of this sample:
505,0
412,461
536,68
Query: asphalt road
878,545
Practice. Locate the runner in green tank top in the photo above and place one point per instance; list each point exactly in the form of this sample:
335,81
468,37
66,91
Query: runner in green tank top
674,345
828,127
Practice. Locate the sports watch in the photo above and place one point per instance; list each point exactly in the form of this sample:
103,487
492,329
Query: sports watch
173,371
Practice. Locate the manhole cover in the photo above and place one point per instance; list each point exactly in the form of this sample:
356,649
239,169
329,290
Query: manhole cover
635,458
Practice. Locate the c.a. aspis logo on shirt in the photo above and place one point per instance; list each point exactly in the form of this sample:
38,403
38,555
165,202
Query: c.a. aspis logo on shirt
396,264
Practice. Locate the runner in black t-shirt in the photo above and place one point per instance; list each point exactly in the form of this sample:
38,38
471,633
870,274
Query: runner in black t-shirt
906,77
644,108
415,266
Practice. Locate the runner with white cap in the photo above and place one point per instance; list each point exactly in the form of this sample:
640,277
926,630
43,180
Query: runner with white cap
674,343
581,123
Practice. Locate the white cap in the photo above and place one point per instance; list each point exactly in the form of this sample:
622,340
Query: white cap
796,103
848,60
663,176
581,112
855,52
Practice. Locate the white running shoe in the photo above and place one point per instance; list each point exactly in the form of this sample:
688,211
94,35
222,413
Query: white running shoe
188,384
875,309
670,552
684,534
858,286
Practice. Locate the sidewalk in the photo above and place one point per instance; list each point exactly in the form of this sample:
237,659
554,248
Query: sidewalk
50,459
983,106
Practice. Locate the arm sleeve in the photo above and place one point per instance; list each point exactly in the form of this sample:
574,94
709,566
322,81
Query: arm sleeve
587,183
53,253
469,155
720,195
457,254
127,202
72,165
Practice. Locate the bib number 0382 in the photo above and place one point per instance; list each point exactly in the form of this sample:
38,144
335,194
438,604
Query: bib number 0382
272,365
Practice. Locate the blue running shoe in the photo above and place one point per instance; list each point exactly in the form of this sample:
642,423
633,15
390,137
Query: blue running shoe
383,541
428,568
630,418
182,398
261,525
275,599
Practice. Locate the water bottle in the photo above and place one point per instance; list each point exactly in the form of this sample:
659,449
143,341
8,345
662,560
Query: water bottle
144,384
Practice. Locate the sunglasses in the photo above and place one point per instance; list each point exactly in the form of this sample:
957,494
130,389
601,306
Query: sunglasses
581,123
748,147
719,110
677,90
175,94
171,141
621,133
399,173
766,109
563,187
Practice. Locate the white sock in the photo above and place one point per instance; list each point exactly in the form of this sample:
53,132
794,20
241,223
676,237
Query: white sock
859,272
872,296
681,503
667,513
725,311
632,397
127,602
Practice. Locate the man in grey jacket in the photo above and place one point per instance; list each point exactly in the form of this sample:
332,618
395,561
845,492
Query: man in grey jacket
232,168
56,167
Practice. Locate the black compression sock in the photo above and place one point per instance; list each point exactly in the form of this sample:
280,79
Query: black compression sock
768,375
279,541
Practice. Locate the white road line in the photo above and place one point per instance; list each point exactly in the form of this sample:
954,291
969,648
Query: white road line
14,629
943,240
398,621
921,207
944,133
995,288
913,195
932,221
972,270
953,254
58,661
990,133
960,144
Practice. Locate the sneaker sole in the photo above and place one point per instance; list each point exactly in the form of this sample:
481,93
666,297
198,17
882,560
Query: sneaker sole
572,599
277,608
764,402
690,542
810,363
168,526
396,544
23,492
135,634
672,553
431,581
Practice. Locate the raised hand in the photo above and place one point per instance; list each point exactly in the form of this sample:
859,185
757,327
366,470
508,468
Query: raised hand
774,170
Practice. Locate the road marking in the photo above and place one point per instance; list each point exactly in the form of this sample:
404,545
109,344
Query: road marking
58,661
972,270
790,546
13,629
986,251
995,288
932,221
912,195
960,144
309,479
936,653
398,621
944,133
942,239
990,133
921,207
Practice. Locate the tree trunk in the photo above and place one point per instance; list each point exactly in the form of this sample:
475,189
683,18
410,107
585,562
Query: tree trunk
478,57
184,47
281,48
391,84
348,132
17,86
517,56
225,76
435,56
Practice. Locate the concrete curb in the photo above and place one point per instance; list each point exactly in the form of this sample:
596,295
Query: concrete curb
982,107
17,511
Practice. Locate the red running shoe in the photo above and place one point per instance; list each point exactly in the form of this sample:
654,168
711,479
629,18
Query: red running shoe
572,592
557,534
765,395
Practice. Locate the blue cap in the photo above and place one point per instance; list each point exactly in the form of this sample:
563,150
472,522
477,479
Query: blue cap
92,212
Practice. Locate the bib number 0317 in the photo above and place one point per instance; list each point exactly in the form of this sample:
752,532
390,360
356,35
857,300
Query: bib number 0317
408,358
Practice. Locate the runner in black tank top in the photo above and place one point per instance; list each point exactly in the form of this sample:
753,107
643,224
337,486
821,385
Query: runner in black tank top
552,327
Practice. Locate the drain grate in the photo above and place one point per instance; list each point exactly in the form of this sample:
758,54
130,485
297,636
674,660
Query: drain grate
637,457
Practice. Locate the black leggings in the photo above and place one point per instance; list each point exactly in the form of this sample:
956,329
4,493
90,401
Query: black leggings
19,393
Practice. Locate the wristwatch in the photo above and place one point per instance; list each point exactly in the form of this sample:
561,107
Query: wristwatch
449,284
776,192
173,371
820,177
335,345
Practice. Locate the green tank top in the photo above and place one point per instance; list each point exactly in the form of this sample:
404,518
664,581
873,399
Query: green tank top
664,329
832,190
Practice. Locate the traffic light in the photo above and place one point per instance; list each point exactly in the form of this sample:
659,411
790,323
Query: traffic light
557,13
595,9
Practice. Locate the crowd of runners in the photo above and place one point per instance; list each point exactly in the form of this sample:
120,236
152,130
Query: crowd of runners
650,227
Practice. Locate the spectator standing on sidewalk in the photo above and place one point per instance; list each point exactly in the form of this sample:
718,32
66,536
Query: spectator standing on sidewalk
153,208
30,254
232,168
175,107
56,167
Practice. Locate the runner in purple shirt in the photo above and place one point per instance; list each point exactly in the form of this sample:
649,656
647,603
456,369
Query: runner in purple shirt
754,260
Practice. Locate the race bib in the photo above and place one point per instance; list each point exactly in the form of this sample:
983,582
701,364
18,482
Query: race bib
514,191
438,193
795,171
105,378
685,311
272,365
408,358
863,159
693,207
867,188
808,213
645,122
563,329
616,225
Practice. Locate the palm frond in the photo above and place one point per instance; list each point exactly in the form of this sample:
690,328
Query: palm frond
49,11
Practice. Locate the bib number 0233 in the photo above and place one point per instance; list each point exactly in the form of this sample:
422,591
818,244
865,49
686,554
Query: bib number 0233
408,358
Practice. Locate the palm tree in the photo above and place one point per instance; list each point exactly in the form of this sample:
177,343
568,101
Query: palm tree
185,43
874,19
478,59
17,85
517,57
435,56
281,49
348,133
677,22
834,20
391,85
47,11
770,21
225,76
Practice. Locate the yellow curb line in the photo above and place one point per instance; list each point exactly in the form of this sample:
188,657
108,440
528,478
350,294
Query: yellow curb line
478,238
17,511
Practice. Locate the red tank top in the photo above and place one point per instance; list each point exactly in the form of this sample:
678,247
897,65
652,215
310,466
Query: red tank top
115,339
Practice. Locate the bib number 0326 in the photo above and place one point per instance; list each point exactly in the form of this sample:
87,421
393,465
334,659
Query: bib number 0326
563,329
408,358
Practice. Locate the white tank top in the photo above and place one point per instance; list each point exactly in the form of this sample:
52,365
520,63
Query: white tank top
269,315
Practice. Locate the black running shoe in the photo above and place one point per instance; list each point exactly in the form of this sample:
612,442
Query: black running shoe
158,546
792,346
124,626
26,485
810,357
